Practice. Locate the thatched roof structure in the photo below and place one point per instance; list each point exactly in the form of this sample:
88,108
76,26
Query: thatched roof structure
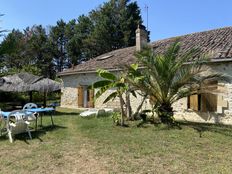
45,85
23,82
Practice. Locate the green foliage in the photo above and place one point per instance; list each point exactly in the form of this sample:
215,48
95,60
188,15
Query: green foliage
78,32
106,75
110,81
166,77
27,51
116,118
112,96
1,31
101,83
47,51
115,24
58,40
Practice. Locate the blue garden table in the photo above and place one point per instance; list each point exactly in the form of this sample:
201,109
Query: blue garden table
42,111
36,110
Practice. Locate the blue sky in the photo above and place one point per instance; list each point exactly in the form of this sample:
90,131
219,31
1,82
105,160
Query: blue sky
167,18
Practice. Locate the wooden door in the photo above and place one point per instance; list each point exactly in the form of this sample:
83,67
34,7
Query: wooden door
80,91
91,98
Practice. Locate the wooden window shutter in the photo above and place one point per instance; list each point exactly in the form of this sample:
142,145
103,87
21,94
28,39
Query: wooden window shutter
193,102
80,91
91,98
208,102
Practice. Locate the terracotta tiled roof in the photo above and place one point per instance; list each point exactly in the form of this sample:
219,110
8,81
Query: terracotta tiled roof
217,43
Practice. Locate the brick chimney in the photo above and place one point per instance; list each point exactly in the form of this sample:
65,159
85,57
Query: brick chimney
141,37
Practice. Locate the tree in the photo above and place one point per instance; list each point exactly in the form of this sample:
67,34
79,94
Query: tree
111,81
78,33
39,50
27,51
58,41
14,46
2,31
2,50
166,78
115,23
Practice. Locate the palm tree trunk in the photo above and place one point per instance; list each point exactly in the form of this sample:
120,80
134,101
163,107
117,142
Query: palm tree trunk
128,107
122,110
139,107
165,113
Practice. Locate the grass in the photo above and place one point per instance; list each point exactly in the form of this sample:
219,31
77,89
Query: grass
78,145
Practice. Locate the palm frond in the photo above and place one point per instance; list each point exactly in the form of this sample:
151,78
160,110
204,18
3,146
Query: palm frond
106,74
102,83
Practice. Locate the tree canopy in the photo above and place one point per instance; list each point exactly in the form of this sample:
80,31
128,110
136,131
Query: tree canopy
45,51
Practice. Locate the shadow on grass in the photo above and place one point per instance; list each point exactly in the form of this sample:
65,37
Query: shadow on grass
207,127
52,128
25,137
199,127
36,134
58,113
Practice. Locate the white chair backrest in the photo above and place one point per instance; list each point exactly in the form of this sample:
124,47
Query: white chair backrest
30,106
18,118
17,122
2,123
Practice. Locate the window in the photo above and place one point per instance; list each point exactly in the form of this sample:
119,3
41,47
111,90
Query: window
206,101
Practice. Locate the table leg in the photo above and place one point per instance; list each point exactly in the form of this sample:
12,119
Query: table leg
36,120
41,119
52,119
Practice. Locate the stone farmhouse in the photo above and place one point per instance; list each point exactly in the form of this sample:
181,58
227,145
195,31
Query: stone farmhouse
206,107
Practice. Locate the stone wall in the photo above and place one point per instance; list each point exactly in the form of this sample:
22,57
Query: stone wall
70,96
69,92
223,115
135,102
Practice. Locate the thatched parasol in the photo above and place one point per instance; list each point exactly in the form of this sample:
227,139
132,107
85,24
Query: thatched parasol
25,82
45,85
13,83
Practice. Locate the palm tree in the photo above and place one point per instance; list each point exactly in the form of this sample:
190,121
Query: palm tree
168,77
111,81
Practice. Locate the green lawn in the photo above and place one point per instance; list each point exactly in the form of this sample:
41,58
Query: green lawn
78,145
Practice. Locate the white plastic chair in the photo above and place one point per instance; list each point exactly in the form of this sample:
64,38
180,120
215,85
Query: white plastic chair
2,123
17,122
29,106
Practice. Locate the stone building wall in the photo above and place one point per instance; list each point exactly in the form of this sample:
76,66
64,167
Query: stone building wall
135,102
223,114
69,92
70,96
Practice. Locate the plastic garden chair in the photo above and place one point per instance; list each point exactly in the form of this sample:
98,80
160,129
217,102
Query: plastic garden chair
29,106
17,122
2,124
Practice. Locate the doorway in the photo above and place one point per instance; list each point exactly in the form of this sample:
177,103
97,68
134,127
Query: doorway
85,97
